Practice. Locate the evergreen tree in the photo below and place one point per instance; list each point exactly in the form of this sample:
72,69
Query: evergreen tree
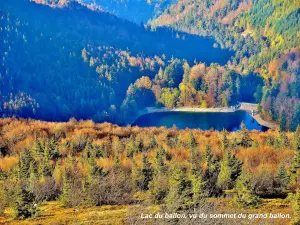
158,186
225,141
45,169
197,187
117,146
211,173
282,178
295,170
296,208
284,141
37,148
178,197
32,176
186,72
245,137
224,177
25,161
66,195
25,205
53,149
161,166
245,191
208,155
152,142
295,120
230,169
197,180
94,171
283,121
146,173
86,198
135,174
117,164
191,141
131,148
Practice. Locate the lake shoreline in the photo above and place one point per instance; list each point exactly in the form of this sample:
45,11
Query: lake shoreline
257,117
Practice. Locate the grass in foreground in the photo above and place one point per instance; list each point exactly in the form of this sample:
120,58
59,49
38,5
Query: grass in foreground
53,213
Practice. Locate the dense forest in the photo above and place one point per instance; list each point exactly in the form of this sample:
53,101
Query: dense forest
105,76
136,11
265,36
111,71
86,164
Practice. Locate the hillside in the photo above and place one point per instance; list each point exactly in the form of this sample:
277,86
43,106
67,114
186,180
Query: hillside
87,167
106,78
138,11
112,68
265,36
45,55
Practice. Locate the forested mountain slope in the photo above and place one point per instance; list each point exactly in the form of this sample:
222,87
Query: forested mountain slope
138,11
75,60
264,34
62,62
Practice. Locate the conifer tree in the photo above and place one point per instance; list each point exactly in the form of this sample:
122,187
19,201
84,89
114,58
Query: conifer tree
191,141
282,177
225,141
45,169
284,141
246,196
197,187
117,146
131,148
146,173
208,155
37,148
25,161
32,176
161,166
211,173
135,174
186,72
25,205
224,178
230,169
152,142
94,171
117,164
283,121
178,197
245,137
296,208
197,179
86,198
158,186
295,170
53,149
65,196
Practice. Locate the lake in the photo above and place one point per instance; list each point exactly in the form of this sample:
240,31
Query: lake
199,120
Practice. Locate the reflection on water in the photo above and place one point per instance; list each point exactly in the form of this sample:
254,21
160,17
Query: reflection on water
199,120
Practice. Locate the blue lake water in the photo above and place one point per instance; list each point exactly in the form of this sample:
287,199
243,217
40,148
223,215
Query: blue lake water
199,120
